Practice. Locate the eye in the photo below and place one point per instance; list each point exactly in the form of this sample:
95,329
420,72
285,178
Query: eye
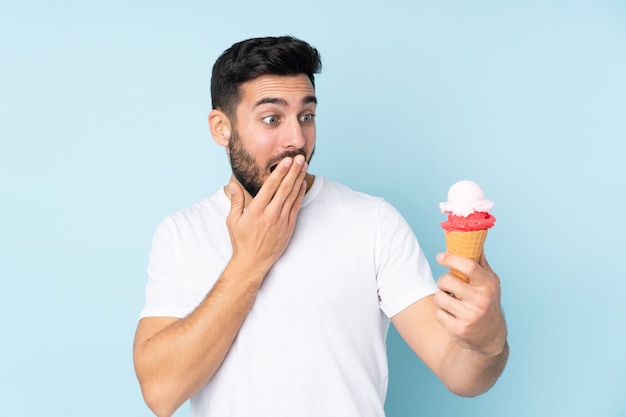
307,118
270,120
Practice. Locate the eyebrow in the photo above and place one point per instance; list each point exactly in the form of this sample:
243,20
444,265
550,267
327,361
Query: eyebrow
283,102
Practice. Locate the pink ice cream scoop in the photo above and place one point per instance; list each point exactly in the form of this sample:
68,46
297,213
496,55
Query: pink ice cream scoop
467,208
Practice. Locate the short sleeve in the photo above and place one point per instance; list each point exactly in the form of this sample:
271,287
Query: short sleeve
165,292
403,273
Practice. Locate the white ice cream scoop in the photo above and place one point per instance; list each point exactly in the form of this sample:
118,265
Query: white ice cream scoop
464,198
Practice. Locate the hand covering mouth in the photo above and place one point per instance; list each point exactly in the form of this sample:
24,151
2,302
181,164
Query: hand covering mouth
292,154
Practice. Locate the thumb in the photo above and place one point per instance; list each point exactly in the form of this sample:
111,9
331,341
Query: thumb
237,200
483,262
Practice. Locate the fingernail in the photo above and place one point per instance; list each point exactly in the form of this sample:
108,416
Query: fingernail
287,161
440,257
299,159
232,189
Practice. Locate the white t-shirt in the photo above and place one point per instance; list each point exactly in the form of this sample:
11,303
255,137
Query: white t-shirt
313,343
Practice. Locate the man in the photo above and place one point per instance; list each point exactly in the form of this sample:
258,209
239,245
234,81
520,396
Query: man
273,296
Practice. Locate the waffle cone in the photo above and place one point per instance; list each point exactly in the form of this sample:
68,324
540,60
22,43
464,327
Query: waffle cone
466,244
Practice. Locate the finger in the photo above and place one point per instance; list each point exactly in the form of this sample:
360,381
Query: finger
295,209
289,187
447,318
237,200
296,188
237,204
273,182
454,286
483,262
467,267
446,302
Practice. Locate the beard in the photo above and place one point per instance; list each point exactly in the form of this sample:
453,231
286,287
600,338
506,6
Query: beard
245,168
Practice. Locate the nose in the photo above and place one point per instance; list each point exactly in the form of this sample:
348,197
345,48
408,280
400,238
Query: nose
294,136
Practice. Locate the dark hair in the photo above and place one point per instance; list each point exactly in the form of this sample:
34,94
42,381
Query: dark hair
249,59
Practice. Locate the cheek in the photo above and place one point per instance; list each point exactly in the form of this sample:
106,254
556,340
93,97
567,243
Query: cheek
258,143
263,147
310,141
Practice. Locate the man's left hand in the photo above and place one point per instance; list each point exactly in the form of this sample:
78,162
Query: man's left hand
471,312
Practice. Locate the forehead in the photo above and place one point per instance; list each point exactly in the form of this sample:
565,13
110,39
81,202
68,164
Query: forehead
292,89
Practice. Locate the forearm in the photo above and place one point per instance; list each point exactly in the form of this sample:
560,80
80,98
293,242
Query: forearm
174,363
469,373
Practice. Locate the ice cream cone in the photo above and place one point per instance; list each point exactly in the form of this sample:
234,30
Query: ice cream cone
466,244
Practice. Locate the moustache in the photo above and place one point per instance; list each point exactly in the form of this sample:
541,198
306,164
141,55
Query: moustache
273,162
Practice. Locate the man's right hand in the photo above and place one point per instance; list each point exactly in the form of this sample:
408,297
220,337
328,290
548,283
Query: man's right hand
260,232
175,357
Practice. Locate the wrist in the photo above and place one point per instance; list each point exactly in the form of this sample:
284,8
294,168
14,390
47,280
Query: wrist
247,269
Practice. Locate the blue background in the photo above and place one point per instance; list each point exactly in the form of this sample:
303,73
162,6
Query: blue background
103,132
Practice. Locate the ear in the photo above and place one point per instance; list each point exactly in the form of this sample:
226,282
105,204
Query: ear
220,127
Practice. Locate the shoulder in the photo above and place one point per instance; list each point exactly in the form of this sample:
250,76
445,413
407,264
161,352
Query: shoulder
195,216
357,199
335,190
